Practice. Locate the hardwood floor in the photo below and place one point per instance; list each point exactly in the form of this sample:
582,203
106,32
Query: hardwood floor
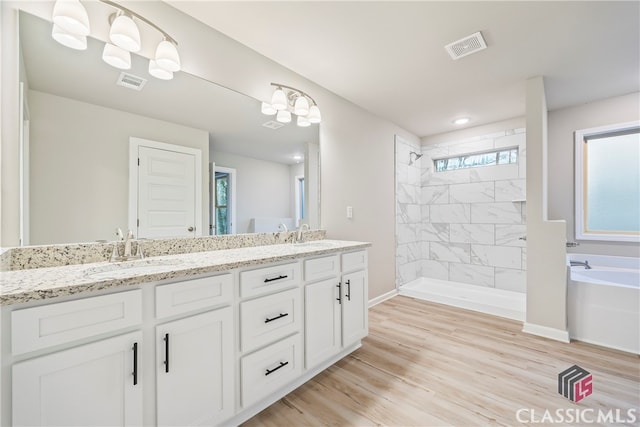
426,364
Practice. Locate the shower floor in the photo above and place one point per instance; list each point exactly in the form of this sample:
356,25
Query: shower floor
497,302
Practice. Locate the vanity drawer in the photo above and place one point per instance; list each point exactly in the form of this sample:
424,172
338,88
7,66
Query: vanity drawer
354,261
269,279
53,324
267,319
321,268
189,295
269,369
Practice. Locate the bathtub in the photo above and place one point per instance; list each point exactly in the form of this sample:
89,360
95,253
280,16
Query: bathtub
603,304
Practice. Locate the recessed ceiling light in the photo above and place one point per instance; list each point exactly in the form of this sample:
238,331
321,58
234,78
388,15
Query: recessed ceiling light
461,121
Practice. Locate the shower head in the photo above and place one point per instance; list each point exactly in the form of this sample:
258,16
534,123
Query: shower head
417,156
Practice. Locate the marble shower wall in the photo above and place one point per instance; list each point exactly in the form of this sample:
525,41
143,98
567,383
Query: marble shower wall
463,225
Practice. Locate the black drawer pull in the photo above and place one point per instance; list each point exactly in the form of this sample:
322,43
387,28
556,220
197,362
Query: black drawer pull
282,276
348,294
271,371
339,286
267,320
166,352
135,363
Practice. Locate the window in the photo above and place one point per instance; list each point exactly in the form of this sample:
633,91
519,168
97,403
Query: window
607,193
488,158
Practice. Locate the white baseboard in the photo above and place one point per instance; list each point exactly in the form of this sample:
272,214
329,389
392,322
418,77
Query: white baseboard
546,332
383,297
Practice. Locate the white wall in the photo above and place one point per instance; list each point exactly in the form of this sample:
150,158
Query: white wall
473,219
80,166
562,125
262,188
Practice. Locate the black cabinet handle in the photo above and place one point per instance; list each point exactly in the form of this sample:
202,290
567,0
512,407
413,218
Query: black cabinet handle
271,371
267,320
282,276
348,294
166,352
339,286
135,363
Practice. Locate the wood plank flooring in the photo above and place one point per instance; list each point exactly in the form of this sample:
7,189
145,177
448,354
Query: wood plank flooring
426,364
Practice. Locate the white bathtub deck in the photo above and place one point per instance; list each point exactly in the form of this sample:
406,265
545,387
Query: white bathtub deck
497,302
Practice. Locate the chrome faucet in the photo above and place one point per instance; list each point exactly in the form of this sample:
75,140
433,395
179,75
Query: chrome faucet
299,236
576,263
128,253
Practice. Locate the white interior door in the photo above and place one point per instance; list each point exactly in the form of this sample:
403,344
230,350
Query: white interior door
168,200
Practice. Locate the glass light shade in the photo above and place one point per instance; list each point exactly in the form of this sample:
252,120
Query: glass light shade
268,109
116,57
124,33
301,107
283,116
71,16
303,122
279,100
314,114
67,39
159,72
167,56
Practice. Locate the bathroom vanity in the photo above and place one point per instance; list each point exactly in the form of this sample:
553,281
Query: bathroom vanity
206,338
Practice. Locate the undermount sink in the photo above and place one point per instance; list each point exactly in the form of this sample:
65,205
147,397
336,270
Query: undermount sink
320,244
119,270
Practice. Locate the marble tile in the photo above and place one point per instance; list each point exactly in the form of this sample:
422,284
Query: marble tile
414,252
402,254
471,274
511,189
402,153
522,163
472,233
453,214
402,174
435,269
407,233
476,192
511,280
435,194
509,235
494,173
414,173
402,216
471,146
425,251
514,140
496,213
459,176
435,232
496,256
408,272
454,252
407,193
424,210
524,258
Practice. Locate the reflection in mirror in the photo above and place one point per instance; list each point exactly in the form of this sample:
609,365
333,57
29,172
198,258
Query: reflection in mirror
77,131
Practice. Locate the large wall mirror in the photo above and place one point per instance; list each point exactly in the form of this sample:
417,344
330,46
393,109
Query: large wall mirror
77,127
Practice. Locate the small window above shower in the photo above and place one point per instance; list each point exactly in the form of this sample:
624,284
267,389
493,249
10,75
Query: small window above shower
502,156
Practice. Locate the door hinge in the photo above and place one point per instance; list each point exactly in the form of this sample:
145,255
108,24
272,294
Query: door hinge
138,161
138,222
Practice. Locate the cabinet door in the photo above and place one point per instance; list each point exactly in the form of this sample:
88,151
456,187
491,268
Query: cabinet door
96,384
195,383
322,321
355,320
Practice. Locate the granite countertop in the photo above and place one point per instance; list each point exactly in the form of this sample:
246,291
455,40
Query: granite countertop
21,286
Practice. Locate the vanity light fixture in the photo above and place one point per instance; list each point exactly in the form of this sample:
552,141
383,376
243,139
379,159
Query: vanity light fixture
292,100
71,26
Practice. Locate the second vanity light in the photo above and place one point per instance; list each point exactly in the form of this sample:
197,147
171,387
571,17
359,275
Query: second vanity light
292,101
71,27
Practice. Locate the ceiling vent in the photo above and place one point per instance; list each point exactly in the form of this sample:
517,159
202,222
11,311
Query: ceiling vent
272,124
466,46
130,81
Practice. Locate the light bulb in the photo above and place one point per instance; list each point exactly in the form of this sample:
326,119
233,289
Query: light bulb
268,109
301,106
159,72
116,57
303,122
167,56
124,33
283,116
314,114
279,100
68,39
71,16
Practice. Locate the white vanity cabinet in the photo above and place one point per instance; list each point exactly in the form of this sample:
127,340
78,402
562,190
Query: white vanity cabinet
335,304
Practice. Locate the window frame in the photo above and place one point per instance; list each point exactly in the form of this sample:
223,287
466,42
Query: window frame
581,233
462,156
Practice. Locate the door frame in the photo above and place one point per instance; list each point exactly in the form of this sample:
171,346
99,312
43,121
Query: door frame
232,194
134,144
